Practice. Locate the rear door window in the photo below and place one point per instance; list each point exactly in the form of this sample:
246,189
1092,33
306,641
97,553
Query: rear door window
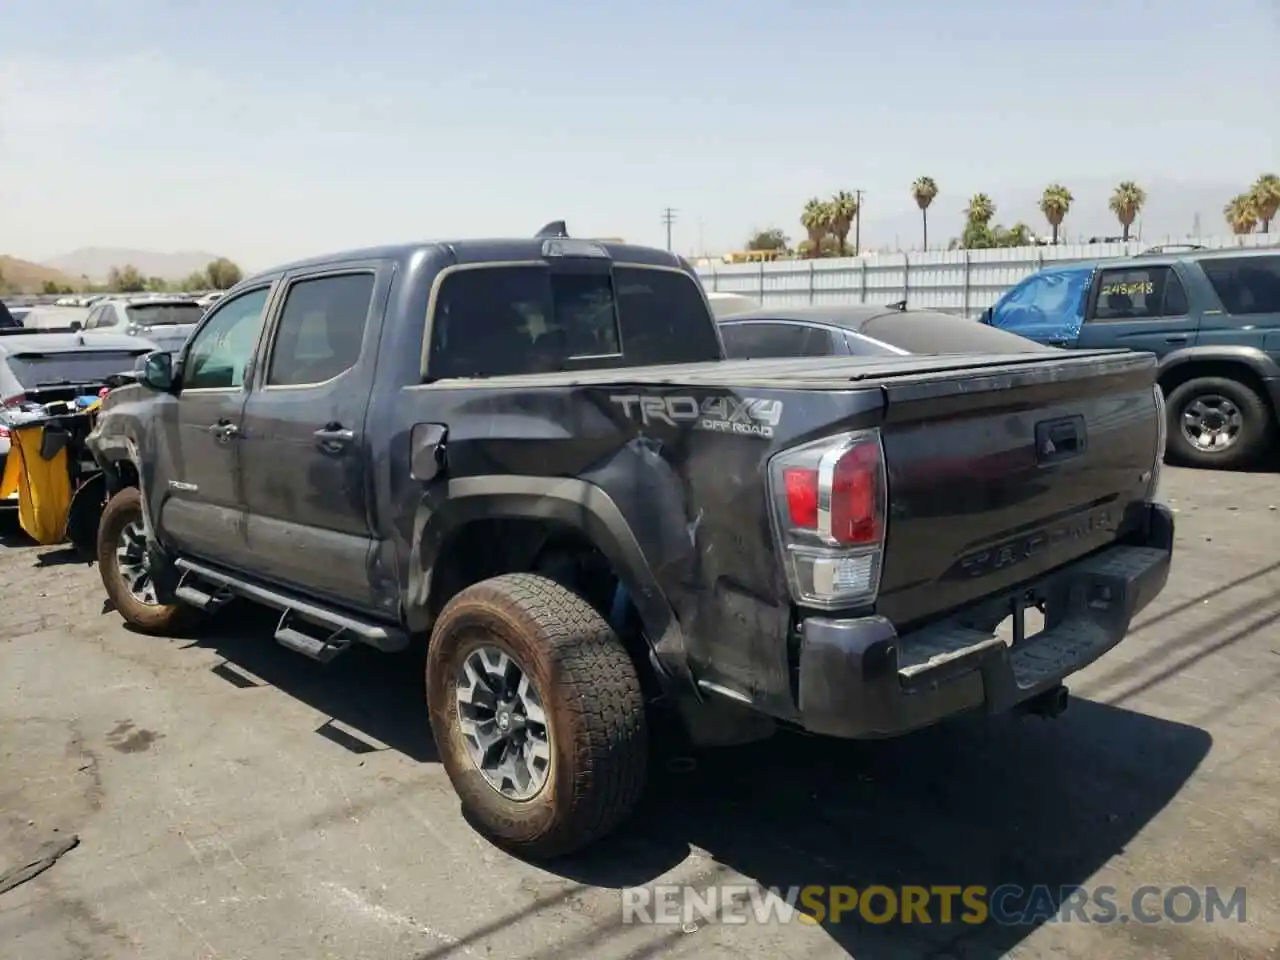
1136,293
1245,285
502,320
321,329
761,339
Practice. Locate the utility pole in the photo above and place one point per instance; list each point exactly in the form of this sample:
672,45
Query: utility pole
668,218
857,225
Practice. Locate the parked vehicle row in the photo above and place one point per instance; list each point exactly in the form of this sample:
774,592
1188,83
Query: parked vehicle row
1212,318
534,457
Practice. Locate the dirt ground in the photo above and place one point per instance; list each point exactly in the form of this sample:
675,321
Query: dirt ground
234,800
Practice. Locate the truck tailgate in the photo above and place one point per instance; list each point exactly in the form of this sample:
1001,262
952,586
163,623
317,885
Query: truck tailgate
998,476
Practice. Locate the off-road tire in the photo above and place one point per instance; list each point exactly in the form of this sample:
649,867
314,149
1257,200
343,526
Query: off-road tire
165,619
590,692
1256,431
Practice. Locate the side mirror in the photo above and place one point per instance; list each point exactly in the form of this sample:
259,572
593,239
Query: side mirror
76,326
157,371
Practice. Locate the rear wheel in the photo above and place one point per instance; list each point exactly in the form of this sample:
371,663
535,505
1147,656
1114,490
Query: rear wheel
1217,422
125,566
537,714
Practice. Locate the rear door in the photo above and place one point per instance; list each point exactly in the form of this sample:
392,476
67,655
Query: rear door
1248,289
310,522
756,339
203,509
1139,307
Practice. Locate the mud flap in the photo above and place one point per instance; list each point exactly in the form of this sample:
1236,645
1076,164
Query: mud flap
85,512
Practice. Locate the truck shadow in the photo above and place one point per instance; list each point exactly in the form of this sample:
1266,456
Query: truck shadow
990,802
375,701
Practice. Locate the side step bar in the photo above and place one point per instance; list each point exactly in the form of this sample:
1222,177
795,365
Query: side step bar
297,629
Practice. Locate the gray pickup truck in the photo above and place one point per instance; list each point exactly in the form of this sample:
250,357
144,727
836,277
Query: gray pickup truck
532,456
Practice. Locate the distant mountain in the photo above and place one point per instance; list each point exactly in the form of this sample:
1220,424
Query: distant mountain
96,262
23,276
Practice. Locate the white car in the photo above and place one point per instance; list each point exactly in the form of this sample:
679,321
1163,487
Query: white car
167,321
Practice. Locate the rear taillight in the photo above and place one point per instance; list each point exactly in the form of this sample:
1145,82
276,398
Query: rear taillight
4,433
829,507
1162,438
13,401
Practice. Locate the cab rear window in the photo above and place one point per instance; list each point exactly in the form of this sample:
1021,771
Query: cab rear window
504,320
164,314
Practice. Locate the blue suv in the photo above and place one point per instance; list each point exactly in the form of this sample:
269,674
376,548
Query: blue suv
1212,317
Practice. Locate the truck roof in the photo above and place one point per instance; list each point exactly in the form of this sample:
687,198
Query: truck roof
480,251
1157,258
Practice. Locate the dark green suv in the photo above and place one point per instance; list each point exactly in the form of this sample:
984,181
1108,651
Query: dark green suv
1212,317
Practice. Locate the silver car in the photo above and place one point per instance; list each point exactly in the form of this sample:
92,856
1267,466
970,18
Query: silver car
166,321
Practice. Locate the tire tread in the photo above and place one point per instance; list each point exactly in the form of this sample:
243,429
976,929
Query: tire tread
597,683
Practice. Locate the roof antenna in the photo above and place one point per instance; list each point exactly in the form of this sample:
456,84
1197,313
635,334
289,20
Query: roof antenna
555,228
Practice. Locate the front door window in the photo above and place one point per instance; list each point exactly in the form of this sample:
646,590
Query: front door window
221,349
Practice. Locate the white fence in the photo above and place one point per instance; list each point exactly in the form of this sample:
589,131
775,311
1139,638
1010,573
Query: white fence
955,281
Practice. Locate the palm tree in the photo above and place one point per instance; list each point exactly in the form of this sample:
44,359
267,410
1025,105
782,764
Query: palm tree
1126,203
924,190
1055,203
843,208
816,220
1242,213
980,210
1266,196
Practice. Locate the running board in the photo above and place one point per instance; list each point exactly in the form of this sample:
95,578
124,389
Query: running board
343,627
208,601
322,649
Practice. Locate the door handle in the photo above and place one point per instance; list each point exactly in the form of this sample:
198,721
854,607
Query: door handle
224,431
333,437
1060,439
1176,338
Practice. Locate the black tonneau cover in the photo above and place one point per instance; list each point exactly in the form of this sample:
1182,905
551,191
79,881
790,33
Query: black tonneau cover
830,373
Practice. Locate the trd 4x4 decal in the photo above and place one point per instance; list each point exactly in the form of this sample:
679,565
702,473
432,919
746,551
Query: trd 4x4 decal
749,416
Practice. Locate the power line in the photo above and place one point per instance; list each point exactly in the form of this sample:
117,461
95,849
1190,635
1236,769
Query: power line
668,218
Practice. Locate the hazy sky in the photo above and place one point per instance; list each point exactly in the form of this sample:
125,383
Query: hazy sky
270,130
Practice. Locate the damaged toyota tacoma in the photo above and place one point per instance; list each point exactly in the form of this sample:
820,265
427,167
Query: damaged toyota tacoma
532,456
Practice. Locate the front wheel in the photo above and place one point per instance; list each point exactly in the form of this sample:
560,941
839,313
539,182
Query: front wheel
125,566
537,715
1217,422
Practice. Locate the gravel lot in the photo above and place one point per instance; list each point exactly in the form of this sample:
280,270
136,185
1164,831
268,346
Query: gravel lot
233,800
